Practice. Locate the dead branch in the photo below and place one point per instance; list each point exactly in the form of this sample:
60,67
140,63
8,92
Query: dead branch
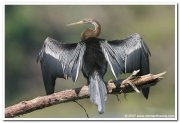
113,87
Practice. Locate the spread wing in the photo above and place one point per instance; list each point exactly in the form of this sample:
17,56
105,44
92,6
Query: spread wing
59,60
127,55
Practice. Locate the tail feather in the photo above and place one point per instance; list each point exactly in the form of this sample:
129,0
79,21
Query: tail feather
98,92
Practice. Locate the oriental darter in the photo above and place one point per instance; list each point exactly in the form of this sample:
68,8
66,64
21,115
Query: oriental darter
92,55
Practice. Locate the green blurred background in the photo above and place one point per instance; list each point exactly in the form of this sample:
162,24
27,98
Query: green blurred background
27,26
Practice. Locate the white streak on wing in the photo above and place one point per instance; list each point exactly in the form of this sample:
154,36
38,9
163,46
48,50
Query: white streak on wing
63,67
77,72
79,64
107,57
125,63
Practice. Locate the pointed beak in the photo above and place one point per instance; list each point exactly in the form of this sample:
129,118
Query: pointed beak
76,23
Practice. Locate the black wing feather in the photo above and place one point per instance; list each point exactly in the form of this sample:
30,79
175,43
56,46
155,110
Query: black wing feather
59,60
128,55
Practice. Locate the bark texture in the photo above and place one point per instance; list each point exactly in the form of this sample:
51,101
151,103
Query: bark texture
113,87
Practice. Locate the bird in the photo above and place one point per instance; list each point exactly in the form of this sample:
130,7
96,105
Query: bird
92,55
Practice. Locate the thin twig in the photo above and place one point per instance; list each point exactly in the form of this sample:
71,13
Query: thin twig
82,108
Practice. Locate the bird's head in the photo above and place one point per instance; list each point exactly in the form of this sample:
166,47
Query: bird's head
83,21
89,32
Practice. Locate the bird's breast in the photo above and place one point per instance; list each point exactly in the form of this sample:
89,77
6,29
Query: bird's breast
94,59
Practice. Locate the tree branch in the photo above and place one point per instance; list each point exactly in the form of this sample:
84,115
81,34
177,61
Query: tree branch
113,87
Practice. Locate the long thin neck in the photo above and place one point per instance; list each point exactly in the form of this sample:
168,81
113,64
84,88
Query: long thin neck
97,29
92,32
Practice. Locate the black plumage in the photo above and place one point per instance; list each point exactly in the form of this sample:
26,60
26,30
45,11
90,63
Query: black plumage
91,56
